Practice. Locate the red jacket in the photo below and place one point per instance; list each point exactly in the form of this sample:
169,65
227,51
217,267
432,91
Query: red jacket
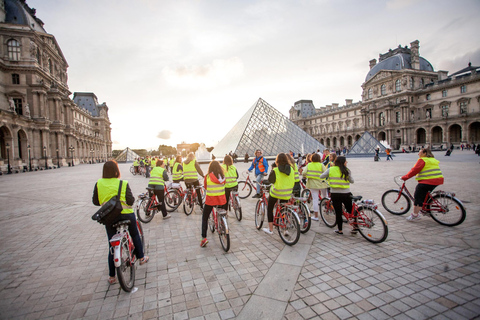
416,169
214,200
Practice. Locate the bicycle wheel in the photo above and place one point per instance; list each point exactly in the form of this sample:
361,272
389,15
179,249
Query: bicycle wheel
259,213
328,213
288,227
244,189
395,202
211,223
371,224
188,204
140,231
132,170
307,195
172,200
447,210
223,233
304,216
237,208
126,271
203,192
143,214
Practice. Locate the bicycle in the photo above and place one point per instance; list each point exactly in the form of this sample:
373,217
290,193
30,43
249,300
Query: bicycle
190,198
220,224
147,206
364,217
123,257
442,206
303,212
285,218
133,171
235,204
246,186
307,195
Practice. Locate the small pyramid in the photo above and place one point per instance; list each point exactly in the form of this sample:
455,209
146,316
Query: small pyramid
127,155
263,127
365,146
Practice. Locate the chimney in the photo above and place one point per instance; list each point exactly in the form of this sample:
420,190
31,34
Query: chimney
335,105
442,75
415,55
348,101
373,62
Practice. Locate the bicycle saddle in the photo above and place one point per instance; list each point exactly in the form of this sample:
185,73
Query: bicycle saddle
122,222
356,198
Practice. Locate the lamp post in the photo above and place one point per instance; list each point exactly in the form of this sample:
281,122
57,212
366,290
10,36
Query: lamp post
9,170
29,159
72,149
91,154
45,154
58,160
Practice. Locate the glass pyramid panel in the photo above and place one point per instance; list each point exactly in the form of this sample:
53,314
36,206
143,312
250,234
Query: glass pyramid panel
365,146
127,155
263,127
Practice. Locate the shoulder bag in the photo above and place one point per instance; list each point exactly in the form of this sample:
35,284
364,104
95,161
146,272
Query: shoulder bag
110,210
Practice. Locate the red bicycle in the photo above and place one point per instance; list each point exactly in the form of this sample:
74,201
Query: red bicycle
218,221
442,206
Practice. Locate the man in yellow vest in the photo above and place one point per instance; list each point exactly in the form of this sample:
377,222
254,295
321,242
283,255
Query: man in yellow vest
158,176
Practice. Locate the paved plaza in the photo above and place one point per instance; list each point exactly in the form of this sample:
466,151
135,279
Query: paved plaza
54,257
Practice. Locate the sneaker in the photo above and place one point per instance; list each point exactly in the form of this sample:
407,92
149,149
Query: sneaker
257,195
413,217
315,218
168,216
354,231
267,231
204,242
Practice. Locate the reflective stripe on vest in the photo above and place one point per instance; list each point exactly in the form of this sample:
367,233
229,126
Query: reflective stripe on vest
283,186
431,170
156,176
297,175
314,170
336,180
230,176
177,175
108,188
189,170
214,189
261,167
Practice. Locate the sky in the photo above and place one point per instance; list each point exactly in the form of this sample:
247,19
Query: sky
188,70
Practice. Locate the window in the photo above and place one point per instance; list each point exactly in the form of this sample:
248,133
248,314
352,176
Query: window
18,106
381,119
412,83
463,89
428,97
397,117
50,66
13,48
15,78
444,93
423,82
444,110
463,107
398,86
370,93
383,89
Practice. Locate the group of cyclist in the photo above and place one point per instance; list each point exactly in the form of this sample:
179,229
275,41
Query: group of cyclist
321,171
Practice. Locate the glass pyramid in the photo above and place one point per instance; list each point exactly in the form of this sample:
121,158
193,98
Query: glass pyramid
127,155
365,146
263,127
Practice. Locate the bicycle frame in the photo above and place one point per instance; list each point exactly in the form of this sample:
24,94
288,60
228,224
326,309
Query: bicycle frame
116,241
429,200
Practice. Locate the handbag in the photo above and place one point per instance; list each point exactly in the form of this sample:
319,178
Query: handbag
110,210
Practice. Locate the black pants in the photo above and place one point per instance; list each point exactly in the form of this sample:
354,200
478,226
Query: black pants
160,193
199,195
337,200
227,195
420,194
271,205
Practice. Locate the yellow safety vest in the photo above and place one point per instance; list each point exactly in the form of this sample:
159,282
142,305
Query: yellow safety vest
156,176
431,170
297,174
214,189
189,170
336,180
314,170
283,186
108,188
172,161
177,175
230,176
135,163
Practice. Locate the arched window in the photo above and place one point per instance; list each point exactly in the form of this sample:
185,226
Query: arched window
383,89
398,86
370,93
13,48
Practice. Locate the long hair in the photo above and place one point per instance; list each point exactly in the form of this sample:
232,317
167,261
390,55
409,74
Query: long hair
333,157
428,152
178,159
282,159
111,170
228,161
216,168
291,161
316,158
340,162
190,157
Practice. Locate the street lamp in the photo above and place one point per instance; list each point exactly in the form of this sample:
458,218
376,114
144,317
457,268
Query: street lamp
45,154
72,149
91,154
29,159
58,160
8,159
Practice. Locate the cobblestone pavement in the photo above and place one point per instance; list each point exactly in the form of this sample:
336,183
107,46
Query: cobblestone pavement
53,257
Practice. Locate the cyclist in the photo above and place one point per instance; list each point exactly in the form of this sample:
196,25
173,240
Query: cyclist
312,172
104,190
158,176
135,165
190,170
429,176
231,176
177,170
171,163
282,179
296,187
340,178
214,183
261,168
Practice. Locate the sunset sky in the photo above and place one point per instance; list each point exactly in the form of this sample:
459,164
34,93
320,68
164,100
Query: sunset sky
187,70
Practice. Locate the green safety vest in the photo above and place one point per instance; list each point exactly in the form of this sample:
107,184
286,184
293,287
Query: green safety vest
108,188
336,180
297,174
230,176
176,175
431,170
156,176
189,170
214,189
314,170
283,186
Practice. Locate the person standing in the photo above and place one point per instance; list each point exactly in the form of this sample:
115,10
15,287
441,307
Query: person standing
190,177
340,177
261,168
429,176
104,190
312,172
389,154
158,176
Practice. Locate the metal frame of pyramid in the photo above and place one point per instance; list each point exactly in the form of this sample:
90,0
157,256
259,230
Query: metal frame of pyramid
127,155
365,146
263,127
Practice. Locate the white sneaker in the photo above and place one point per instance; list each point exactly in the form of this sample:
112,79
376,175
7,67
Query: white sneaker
413,217
314,218
267,231
168,216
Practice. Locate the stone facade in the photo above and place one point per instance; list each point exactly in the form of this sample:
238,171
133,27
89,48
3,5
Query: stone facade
39,124
405,103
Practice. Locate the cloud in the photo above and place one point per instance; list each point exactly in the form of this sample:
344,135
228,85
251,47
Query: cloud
217,73
399,4
164,134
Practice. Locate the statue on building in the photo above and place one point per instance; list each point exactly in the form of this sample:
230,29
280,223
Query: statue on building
27,111
11,105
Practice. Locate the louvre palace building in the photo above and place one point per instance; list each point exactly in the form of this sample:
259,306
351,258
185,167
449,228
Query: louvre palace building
40,126
404,103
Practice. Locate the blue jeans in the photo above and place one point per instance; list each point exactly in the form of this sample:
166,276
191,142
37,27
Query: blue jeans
259,179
